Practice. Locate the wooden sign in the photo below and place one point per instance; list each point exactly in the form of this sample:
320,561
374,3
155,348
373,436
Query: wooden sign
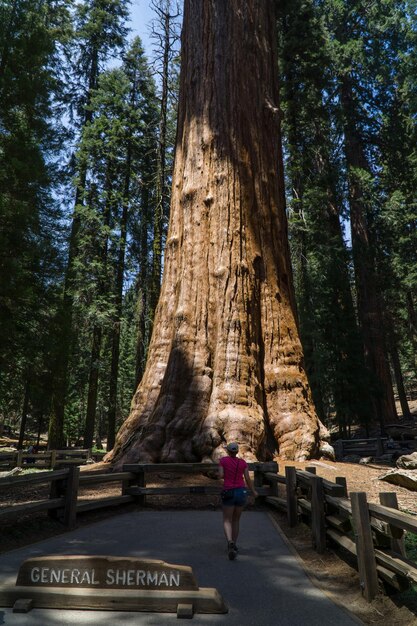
104,572
109,583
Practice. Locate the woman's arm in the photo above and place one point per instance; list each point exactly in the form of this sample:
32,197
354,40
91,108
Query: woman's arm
249,482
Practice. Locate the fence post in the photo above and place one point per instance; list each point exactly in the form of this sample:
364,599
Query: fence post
379,447
338,449
311,469
397,534
57,490
364,545
292,504
139,480
341,480
71,495
274,486
258,481
53,459
318,521
19,458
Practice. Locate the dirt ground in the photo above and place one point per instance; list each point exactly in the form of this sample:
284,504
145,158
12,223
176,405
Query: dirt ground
332,571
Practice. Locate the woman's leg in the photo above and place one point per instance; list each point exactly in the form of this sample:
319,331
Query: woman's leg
237,512
228,521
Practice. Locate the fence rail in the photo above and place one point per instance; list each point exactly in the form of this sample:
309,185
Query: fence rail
375,447
372,533
48,459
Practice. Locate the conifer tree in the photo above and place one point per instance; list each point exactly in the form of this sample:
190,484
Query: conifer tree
99,35
327,320
29,219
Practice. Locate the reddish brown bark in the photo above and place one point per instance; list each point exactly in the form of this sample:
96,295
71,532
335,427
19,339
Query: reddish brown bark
225,361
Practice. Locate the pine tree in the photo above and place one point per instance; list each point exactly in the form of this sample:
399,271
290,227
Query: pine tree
358,54
165,32
29,219
99,35
327,319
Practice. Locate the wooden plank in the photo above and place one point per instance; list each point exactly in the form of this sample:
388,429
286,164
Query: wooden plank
364,545
99,478
70,461
342,504
292,507
184,468
355,442
278,503
204,600
343,524
164,491
398,564
32,507
342,540
396,518
331,488
304,504
400,583
90,505
275,478
73,452
318,522
184,490
41,477
7,456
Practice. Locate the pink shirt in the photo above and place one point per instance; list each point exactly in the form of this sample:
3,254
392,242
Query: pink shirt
233,469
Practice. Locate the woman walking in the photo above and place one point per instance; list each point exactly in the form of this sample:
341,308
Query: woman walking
235,473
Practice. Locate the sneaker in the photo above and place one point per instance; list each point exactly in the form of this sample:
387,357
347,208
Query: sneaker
231,550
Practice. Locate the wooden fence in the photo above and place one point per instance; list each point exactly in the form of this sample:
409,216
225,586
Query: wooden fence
372,533
48,459
375,447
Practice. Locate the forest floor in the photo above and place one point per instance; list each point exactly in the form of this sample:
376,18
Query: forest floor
331,571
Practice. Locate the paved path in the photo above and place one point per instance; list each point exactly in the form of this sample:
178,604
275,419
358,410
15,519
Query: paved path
265,586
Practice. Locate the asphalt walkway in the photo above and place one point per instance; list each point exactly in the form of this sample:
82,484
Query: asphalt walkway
265,586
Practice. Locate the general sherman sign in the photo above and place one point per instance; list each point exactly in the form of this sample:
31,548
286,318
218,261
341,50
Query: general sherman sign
104,572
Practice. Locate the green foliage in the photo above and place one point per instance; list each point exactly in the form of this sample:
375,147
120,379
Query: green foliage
30,266
326,45
321,260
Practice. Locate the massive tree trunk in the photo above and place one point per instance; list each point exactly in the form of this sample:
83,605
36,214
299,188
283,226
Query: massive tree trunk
225,361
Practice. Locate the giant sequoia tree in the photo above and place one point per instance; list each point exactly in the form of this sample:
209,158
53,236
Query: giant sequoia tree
225,361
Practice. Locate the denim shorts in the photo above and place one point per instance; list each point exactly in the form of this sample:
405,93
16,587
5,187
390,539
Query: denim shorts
234,497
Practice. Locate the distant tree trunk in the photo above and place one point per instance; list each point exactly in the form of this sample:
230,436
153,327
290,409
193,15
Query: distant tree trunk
102,288
165,37
402,396
25,410
142,311
65,314
369,305
118,292
412,324
225,360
